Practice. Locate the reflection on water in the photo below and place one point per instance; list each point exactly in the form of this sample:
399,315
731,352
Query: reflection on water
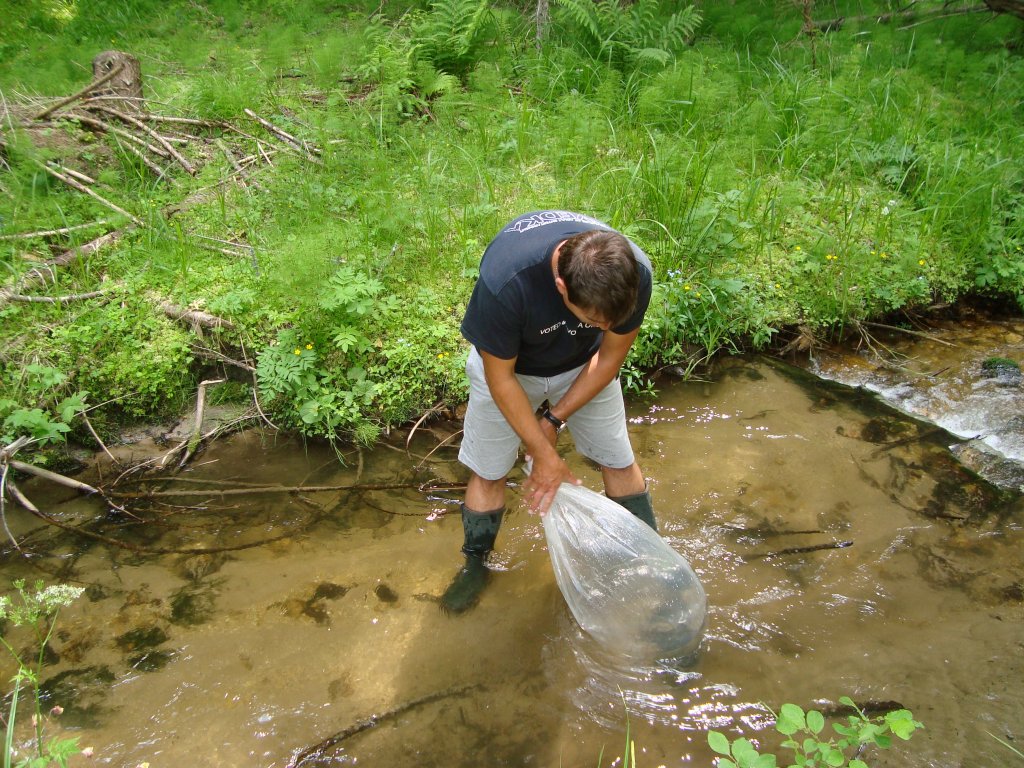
842,549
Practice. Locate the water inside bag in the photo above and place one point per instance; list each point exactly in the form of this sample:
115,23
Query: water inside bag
623,583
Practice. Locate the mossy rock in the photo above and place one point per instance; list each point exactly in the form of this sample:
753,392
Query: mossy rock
1001,368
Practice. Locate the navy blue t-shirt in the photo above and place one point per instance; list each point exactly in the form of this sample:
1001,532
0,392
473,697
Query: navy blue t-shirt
516,310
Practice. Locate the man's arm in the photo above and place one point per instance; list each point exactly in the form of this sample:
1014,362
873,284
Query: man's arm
602,368
549,470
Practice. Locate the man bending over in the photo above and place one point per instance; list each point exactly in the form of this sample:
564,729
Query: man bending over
559,301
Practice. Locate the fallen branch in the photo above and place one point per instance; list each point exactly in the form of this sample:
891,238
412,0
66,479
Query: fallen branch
84,92
194,316
82,188
104,126
309,152
239,170
39,275
53,232
909,332
55,299
163,142
197,428
45,474
22,499
220,357
160,172
909,13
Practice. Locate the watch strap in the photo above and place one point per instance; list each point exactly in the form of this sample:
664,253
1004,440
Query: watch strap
557,422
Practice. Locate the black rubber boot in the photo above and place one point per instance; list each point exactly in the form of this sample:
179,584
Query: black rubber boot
480,531
639,505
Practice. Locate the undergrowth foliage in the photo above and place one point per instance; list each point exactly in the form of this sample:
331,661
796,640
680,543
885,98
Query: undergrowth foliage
771,188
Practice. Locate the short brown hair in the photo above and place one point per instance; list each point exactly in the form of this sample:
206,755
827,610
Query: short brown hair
600,273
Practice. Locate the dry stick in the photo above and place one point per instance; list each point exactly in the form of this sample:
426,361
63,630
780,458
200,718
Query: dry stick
225,242
259,409
85,179
194,316
85,91
104,126
196,437
82,188
216,249
309,149
213,433
420,420
52,232
22,499
182,120
55,299
3,509
220,357
38,275
46,474
162,141
96,437
235,163
438,447
160,172
909,332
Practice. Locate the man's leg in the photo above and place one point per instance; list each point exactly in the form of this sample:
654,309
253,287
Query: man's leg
628,488
481,514
600,431
481,521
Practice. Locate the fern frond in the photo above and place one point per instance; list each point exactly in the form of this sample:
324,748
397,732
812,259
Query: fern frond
584,14
657,56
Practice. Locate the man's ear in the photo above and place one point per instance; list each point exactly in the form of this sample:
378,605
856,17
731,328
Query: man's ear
560,285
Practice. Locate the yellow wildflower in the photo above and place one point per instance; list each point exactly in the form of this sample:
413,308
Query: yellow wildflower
298,351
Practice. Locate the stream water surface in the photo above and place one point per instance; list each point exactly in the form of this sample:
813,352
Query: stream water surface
843,549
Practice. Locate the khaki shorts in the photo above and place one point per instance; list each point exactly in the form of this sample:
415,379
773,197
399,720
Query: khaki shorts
490,446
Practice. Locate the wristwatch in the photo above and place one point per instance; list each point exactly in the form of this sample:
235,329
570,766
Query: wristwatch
557,422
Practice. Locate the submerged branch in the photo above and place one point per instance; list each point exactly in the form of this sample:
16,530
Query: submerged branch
909,332
801,550
280,489
314,753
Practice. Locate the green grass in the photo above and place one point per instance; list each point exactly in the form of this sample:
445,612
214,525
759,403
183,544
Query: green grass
770,193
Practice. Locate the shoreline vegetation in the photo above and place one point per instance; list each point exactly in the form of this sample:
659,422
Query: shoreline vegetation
287,212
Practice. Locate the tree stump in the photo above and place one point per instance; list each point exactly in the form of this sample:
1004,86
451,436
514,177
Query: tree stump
125,88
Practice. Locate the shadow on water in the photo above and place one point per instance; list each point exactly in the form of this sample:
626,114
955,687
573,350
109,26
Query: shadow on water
843,552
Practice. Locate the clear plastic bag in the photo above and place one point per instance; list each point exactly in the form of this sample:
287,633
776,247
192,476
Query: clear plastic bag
624,584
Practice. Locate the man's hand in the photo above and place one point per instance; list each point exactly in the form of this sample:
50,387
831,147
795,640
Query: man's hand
548,473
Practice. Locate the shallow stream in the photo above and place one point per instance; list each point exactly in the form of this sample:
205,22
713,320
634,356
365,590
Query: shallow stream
843,549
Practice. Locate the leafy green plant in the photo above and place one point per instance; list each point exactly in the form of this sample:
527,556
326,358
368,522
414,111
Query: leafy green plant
454,34
36,609
627,36
38,413
810,746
